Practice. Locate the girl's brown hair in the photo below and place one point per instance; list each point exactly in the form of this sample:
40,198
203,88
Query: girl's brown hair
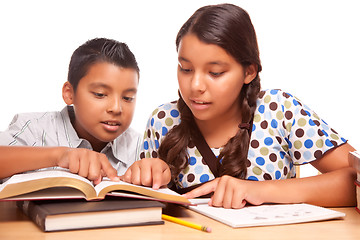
229,27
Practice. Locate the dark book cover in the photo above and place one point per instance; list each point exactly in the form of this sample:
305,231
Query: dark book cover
59,215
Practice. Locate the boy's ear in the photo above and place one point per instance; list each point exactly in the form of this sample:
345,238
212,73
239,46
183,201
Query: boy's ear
68,93
250,73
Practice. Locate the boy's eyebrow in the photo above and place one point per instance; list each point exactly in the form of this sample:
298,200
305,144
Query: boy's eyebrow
102,85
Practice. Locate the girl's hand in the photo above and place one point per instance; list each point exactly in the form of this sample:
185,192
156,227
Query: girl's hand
86,163
148,172
230,192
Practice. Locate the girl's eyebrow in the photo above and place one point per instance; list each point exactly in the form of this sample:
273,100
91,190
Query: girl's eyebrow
221,63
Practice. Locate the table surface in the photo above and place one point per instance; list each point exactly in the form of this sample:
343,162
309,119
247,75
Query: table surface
15,225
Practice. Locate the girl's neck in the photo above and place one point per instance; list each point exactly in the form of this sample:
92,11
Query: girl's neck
218,132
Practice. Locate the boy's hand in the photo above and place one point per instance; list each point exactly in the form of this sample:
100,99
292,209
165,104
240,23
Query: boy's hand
87,163
148,172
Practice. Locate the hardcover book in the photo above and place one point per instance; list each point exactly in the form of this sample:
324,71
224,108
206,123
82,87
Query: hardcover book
60,215
61,184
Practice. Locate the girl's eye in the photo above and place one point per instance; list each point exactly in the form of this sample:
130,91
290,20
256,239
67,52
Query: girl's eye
216,74
185,70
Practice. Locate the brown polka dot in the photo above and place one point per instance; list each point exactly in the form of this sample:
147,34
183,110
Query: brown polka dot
299,133
247,163
190,178
264,124
161,114
318,154
254,143
334,143
273,157
303,112
297,155
299,103
203,161
267,176
320,133
142,155
174,101
154,154
273,106
333,131
316,122
148,133
288,115
285,170
279,139
286,95
157,135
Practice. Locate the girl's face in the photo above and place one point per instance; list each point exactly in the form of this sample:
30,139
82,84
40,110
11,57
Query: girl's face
104,102
210,80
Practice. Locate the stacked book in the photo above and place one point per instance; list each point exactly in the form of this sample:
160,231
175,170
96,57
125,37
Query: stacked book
355,162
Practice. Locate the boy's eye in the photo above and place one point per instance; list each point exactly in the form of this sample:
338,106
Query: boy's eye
129,99
99,95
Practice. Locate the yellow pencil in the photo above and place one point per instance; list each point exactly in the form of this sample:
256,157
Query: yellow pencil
186,223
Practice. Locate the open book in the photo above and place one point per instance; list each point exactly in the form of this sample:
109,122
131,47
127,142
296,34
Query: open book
61,184
267,214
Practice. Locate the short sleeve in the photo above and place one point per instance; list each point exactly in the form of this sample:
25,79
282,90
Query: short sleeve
307,136
161,121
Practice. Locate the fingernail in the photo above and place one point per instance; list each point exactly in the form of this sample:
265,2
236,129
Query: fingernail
116,179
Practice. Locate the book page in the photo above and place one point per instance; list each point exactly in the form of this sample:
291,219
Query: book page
273,214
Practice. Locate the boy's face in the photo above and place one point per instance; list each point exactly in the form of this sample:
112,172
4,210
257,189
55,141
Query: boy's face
104,102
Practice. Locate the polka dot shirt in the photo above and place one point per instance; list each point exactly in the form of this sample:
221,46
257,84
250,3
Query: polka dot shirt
285,133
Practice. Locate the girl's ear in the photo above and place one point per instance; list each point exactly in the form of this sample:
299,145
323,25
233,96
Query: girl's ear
250,73
68,93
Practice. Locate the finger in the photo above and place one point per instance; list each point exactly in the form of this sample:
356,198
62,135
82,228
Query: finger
135,175
74,163
84,162
202,190
127,175
108,169
95,170
160,175
146,172
219,191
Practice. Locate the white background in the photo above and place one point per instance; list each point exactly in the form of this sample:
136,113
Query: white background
309,48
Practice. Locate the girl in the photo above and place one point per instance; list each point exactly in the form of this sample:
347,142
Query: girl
225,136
90,136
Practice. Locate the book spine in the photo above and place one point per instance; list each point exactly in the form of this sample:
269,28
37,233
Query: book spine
36,214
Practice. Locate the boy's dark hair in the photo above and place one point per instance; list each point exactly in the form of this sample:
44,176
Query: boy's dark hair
99,50
229,27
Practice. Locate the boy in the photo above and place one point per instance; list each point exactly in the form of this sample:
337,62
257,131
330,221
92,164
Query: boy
91,136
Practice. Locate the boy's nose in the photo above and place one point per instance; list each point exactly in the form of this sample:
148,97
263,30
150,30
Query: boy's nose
115,106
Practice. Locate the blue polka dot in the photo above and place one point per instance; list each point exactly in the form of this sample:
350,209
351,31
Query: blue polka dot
270,168
324,122
343,139
307,155
204,178
274,91
295,102
268,141
310,132
278,174
282,154
308,113
192,161
174,113
267,115
158,125
146,145
311,122
308,143
261,108
157,144
260,161
253,178
251,153
181,177
167,106
152,121
253,127
325,133
274,123
199,169
164,131
288,142
329,143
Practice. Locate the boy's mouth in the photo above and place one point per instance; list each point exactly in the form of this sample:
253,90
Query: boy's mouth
111,126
